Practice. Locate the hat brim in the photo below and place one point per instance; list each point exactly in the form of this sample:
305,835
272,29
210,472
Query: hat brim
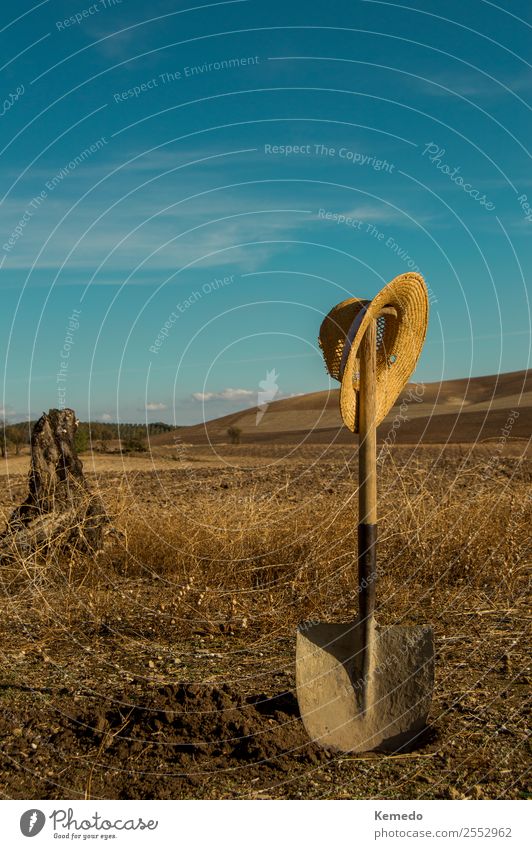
401,331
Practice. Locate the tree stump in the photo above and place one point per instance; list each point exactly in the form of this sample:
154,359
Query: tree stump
59,508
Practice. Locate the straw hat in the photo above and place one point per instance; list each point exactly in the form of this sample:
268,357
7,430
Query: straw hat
401,311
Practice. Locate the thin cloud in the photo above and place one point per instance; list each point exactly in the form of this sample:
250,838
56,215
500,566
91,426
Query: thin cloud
472,85
154,406
228,394
213,244
369,213
118,44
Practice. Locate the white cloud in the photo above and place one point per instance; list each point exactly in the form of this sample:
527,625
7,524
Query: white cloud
475,85
154,406
145,235
106,417
381,212
368,213
112,44
228,394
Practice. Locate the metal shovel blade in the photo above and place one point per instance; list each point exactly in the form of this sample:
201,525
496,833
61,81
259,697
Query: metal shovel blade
344,710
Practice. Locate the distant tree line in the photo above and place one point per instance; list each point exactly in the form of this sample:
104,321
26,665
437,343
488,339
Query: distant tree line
95,435
14,436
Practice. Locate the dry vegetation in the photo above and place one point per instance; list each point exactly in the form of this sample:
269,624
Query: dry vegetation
214,571
263,541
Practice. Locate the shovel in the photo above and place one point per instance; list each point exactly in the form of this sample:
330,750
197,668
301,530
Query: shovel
361,687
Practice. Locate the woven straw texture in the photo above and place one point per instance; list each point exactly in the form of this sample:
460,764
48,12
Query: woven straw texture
400,338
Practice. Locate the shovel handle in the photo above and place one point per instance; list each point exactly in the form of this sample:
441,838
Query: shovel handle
367,571
367,471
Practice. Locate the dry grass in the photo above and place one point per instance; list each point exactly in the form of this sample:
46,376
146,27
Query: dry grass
268,554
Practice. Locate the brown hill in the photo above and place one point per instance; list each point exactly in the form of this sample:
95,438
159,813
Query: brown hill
465,410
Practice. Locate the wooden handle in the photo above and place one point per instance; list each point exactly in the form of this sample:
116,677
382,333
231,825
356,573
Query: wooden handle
367,452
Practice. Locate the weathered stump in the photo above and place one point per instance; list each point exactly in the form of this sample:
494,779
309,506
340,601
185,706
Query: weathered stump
59,507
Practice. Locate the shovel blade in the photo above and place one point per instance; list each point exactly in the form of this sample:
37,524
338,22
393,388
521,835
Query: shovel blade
344,710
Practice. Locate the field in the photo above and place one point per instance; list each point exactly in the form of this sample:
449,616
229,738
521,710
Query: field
164,668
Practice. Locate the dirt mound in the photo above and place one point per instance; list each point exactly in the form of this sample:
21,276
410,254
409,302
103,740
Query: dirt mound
160,748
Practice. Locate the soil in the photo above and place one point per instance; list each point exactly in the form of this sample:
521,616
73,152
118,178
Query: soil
84,733
183,734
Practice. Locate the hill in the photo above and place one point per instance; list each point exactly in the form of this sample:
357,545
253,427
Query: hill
465,410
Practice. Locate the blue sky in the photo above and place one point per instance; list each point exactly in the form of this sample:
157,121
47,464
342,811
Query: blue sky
174,178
